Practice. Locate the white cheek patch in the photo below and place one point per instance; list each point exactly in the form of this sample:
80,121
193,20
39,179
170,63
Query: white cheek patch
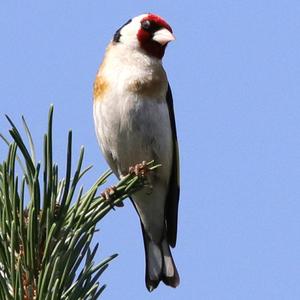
129,32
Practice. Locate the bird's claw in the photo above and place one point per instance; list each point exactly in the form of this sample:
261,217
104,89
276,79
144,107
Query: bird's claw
139,170
109,195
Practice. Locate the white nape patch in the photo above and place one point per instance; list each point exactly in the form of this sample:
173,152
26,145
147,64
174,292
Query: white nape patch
168,261
154,261
129,32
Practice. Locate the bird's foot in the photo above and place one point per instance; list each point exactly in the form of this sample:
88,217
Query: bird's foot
139,170
109,195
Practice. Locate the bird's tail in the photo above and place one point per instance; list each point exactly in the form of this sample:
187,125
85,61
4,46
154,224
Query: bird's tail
159,264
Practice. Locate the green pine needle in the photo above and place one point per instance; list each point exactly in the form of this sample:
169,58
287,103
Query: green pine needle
46,229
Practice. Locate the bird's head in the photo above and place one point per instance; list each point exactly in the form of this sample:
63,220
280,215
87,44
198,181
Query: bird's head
148,32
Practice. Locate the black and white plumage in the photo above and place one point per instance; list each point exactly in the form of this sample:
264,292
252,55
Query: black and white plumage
134,122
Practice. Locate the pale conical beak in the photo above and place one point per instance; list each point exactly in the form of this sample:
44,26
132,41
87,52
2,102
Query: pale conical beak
163,36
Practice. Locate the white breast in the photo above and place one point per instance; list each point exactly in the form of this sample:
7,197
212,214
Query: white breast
132,127
132,130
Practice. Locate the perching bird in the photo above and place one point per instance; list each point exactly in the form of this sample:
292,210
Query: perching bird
134,121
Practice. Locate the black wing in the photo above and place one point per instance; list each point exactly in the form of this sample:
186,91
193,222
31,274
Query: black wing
171,209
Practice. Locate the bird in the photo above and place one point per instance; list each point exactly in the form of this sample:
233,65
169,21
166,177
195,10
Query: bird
134,122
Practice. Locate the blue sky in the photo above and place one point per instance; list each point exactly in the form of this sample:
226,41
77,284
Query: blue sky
235,74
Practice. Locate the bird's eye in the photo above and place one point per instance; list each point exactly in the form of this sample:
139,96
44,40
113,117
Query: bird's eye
146,25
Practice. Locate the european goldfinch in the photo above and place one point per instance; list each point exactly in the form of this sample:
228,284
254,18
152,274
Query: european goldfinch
134,122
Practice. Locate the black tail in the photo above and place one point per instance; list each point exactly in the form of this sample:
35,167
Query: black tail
160,265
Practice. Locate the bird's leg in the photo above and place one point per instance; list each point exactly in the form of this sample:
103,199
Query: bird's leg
109,195
139,170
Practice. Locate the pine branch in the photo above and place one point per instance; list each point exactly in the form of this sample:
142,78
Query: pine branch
45,230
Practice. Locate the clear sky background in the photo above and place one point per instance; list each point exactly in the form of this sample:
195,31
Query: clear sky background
235,74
